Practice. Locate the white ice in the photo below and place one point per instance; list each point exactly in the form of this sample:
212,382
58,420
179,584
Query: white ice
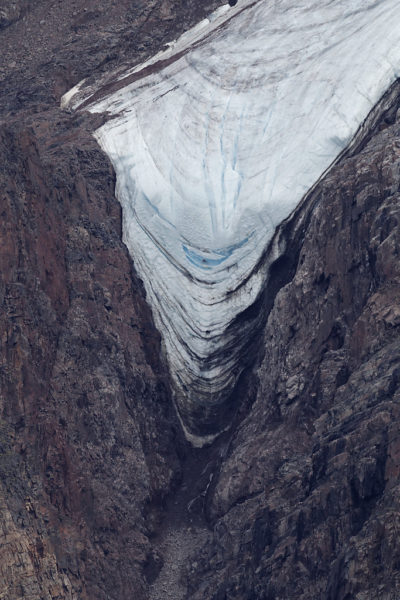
218,144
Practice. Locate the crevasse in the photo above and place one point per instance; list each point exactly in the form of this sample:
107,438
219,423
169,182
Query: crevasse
214,143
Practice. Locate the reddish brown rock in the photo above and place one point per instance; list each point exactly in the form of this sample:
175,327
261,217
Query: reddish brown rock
87,429
85,403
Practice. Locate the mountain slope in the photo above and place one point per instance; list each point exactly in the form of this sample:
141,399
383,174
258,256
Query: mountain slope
215,141
299,499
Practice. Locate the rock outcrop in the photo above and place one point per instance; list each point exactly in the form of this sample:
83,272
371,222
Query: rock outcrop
87,432
87,440
305,502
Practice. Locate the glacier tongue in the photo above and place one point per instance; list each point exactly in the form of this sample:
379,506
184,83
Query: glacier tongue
214,142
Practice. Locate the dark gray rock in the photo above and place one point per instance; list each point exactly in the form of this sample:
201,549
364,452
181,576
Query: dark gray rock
307,497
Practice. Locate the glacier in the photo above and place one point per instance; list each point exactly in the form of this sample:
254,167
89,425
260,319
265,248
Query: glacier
215,141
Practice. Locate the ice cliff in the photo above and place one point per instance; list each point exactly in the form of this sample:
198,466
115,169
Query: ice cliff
214,143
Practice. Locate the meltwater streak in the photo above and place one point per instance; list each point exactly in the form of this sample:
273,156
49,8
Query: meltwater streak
214,143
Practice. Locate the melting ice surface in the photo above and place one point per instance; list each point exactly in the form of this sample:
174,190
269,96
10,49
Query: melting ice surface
215,142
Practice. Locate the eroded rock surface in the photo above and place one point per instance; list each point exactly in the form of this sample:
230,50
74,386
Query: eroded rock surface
86,430
306,501
86,434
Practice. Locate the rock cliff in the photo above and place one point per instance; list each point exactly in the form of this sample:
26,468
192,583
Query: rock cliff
101,497
305,501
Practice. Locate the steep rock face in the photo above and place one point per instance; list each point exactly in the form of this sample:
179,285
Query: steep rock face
305,504
86,432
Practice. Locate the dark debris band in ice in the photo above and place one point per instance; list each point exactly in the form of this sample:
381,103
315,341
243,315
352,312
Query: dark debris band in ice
218,144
